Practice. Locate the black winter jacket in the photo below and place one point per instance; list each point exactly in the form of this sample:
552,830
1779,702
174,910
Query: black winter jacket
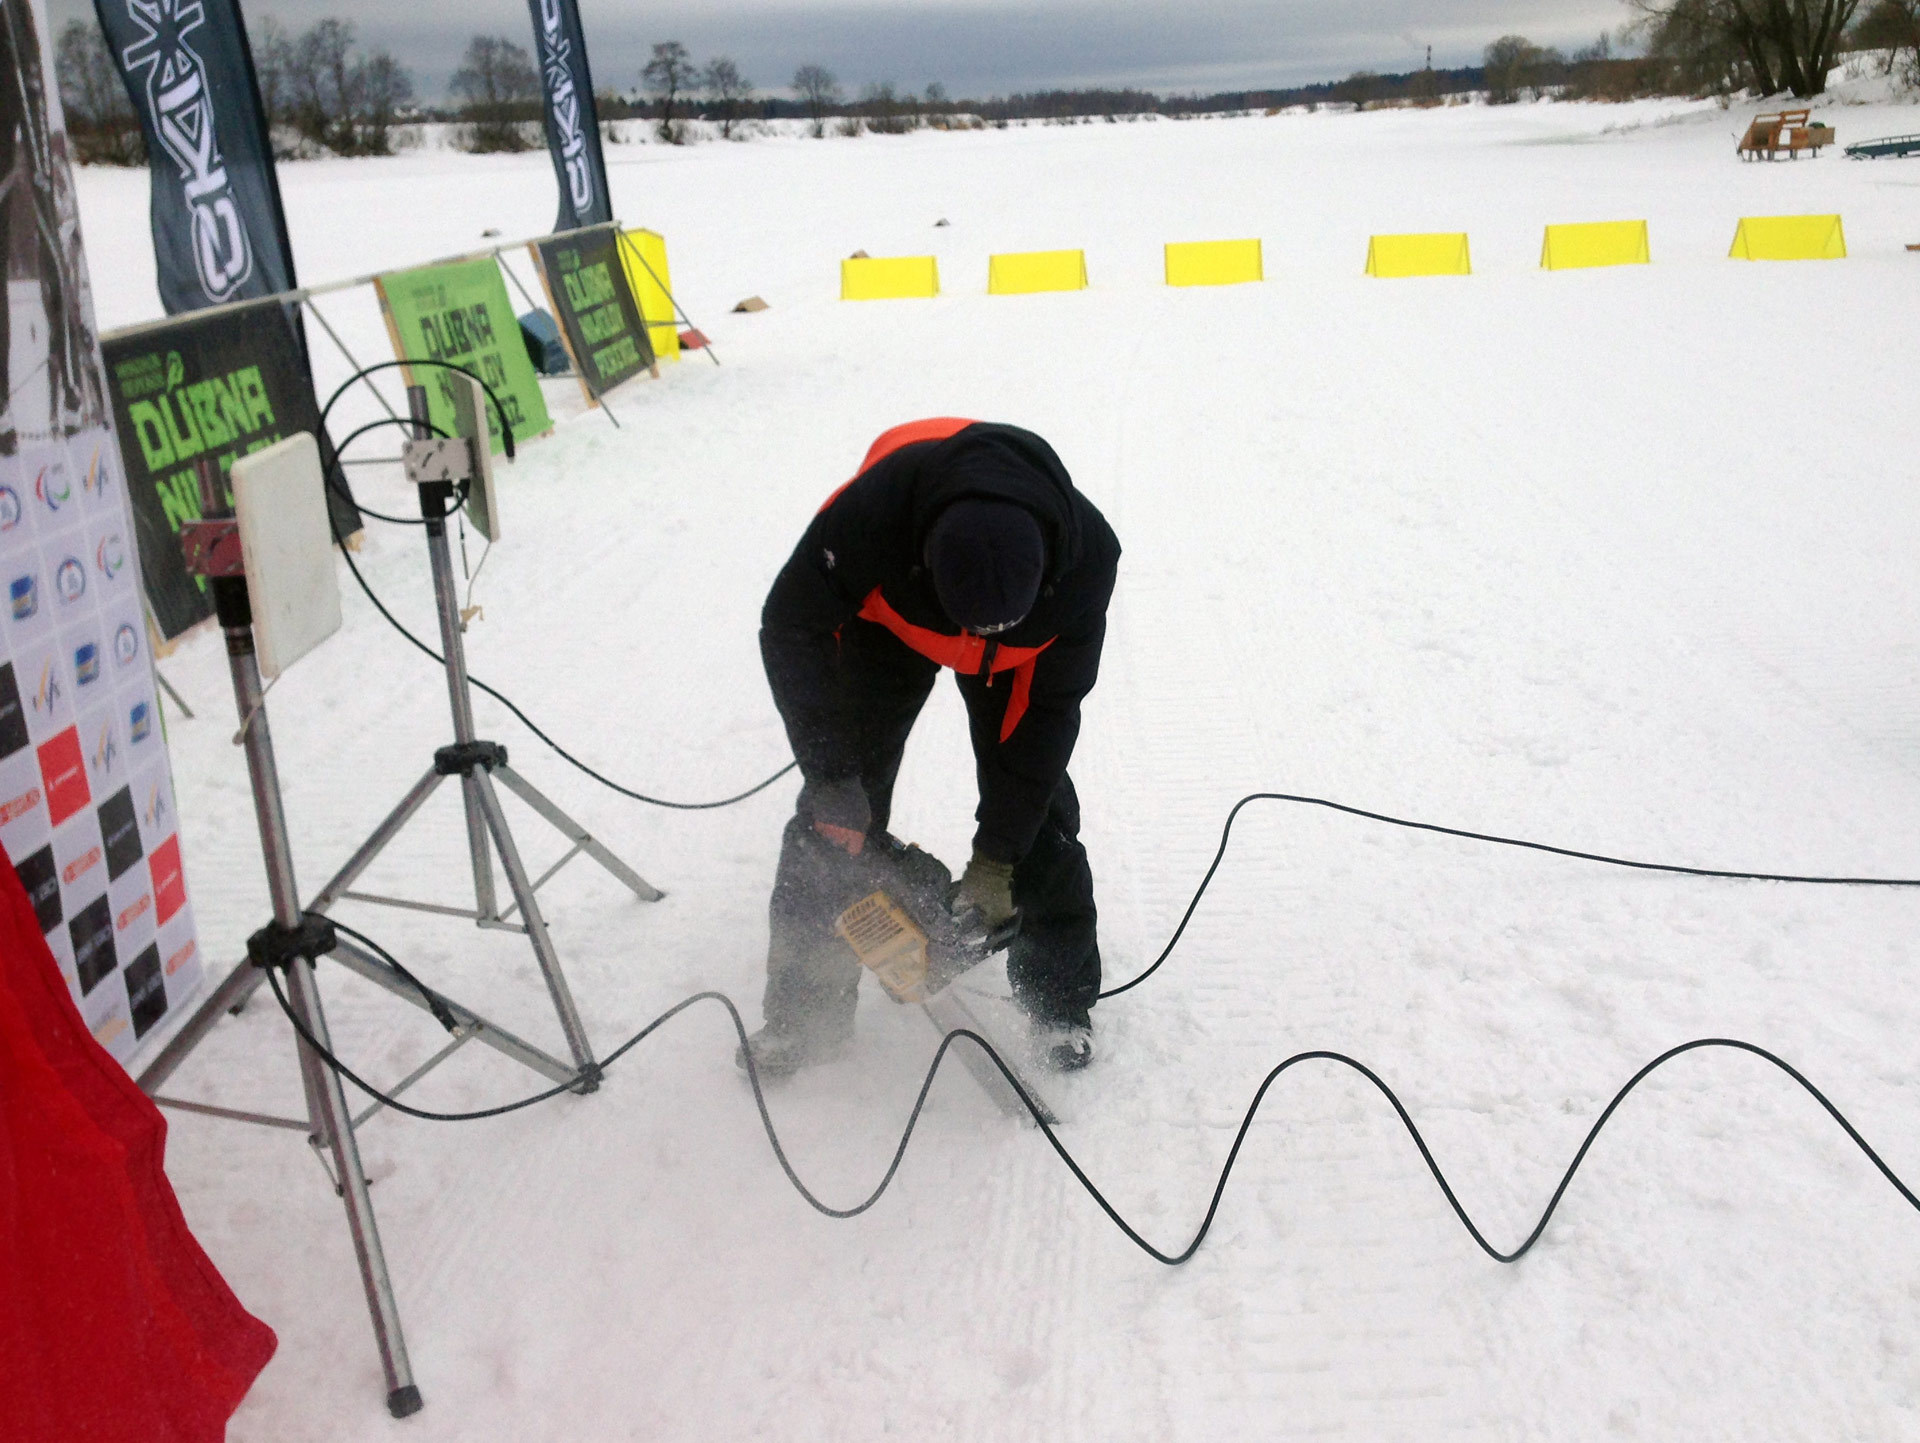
872,535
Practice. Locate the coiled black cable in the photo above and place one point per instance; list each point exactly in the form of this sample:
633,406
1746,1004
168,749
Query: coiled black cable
498,696
1133,1234
1253,1108
1226,832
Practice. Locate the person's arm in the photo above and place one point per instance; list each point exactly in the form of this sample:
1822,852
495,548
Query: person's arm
1018,776
800,647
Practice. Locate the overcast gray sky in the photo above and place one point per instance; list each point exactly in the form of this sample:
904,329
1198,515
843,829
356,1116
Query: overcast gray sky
978,47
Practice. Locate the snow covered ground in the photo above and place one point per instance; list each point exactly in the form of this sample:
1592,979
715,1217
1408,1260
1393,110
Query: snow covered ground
1622,560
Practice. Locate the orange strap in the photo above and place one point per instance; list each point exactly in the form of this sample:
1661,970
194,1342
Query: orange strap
934,428
963,653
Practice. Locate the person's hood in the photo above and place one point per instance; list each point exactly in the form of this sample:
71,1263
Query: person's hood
1001,463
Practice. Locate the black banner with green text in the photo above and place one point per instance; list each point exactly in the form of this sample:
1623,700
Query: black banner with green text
595,307
224,384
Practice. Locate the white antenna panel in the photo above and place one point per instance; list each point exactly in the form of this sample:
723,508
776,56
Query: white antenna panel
280,498
470,422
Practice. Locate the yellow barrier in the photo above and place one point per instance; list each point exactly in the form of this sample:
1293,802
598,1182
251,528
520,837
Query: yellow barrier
1600,243
644,255
1022,273
1214,263
1789,238
1443,254
889,278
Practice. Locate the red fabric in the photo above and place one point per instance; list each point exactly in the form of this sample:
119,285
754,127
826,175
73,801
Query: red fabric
963,653
114,1324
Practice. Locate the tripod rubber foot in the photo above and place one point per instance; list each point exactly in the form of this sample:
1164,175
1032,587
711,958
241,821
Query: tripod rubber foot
405,1402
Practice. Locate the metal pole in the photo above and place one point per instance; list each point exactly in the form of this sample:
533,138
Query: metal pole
435,502
327,1104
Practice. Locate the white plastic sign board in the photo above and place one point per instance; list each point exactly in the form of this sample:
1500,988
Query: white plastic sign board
280,497
470,422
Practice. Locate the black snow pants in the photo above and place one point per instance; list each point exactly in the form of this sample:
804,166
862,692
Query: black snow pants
812,977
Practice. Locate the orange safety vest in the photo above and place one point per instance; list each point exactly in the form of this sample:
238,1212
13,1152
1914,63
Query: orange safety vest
966,652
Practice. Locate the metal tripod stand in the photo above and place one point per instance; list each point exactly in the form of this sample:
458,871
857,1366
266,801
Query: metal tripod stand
292,941
436,470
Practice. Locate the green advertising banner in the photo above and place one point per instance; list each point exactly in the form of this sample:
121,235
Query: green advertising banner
606,335
459,313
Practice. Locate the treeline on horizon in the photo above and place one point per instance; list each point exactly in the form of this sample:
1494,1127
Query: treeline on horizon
325,94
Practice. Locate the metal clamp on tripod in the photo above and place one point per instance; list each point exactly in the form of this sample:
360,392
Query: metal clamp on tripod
450,471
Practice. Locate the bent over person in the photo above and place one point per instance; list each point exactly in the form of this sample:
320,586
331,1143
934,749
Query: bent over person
964,545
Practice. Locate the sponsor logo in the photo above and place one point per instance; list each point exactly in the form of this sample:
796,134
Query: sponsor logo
126,644
134,912
182,957
156,810
24,593
106,751
9,508
63,772
111,556
81,865
98,476
17,808
183,120
70,580
169,887
52,487
86,663
110,1029
140,721
563,104
46,696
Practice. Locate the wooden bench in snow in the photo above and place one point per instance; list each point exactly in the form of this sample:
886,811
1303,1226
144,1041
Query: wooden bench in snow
1784,132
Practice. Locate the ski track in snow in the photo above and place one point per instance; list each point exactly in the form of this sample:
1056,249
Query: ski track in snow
1619,560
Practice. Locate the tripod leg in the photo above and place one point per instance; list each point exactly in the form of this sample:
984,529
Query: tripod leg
350,955
536,926
577,834
373,846
332,1125
484,901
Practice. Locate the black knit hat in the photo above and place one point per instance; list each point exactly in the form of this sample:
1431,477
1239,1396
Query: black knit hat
987,560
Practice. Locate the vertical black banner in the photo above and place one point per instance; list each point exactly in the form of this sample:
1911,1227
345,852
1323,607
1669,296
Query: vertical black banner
218,232
573,126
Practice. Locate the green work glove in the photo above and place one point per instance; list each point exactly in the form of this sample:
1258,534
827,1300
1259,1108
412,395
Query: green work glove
987,888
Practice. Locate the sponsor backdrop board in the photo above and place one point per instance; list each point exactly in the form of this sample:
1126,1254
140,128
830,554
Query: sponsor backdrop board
225,384
587,287
86,796
459,312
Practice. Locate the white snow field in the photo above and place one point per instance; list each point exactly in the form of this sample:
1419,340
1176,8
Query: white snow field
1623,560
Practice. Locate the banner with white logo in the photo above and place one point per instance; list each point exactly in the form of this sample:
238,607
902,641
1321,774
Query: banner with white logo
86,795
218,231
573,125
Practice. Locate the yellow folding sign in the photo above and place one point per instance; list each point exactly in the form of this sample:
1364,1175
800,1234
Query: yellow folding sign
1600,243
1442,254
644,255
1789,238
1213,263
1022,273
889,278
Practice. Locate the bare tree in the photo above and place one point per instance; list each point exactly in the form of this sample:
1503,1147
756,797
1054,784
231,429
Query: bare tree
669,75
1515,64
498,89
819,92
385,89
1771,45
101,124
1893,26
729,90
273,67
